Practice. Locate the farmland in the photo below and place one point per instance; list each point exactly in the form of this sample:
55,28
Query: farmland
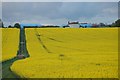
68,53
0,44
10,41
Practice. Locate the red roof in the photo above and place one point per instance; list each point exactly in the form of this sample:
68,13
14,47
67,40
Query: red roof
73,22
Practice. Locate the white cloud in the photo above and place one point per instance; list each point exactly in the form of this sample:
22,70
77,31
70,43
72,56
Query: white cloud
59,13
100,18
110,10
44,20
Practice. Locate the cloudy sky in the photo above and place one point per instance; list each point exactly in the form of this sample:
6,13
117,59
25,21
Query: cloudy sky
59,12
0,10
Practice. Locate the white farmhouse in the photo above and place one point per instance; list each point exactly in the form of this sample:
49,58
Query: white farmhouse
73,24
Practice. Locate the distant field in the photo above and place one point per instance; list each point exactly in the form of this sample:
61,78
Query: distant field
67,53
10,42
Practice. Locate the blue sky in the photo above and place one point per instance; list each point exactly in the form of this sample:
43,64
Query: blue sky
59,12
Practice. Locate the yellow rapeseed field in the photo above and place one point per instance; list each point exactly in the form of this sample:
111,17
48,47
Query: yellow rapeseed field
70,53
0,44
10,43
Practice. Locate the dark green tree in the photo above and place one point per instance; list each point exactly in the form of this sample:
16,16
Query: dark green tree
117,23
9,26
2,25
102,25
17,25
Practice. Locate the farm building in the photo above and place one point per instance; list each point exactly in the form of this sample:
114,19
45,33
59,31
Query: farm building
29,25
73,24
50,26
85,25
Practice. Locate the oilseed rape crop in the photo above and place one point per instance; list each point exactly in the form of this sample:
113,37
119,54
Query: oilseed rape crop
70,53
10,41
0,44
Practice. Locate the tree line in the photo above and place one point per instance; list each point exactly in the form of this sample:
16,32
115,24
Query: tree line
114,24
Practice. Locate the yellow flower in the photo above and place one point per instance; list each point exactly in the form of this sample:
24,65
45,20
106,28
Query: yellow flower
10,43
70,53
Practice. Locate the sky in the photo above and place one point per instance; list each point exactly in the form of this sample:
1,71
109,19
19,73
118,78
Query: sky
60,0
0,9
59,13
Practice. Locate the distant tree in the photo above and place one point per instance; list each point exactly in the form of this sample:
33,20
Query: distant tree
101,24
113,25
117,23
2,25
109,25
17,25
9,26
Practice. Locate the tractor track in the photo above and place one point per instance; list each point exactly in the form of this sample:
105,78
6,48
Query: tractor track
41,42
7,73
